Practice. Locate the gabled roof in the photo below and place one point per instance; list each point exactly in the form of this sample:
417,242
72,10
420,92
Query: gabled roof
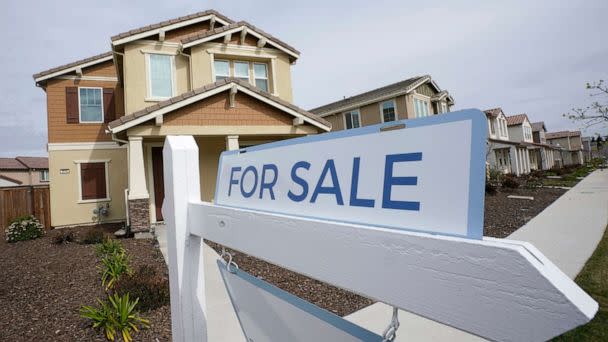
70,67
538,126
493,112
517,119
193,96
239,27
34,162
562,134
379,94
153,29
11,164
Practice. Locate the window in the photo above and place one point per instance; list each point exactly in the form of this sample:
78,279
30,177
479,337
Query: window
260,73
241,71
91,107
44,175
160,78
491,124
93,181
388,111
421,108
353,119
444,107
222,69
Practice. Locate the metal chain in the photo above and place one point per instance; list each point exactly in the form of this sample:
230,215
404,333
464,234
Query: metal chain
390,333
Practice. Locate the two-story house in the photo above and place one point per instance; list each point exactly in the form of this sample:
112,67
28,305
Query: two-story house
415,97
520,130
226,83
508,141
569,145
541,153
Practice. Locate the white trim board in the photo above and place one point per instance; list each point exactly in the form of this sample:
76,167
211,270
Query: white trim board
106,162
168,28
207,94
84,146
73,68
89,78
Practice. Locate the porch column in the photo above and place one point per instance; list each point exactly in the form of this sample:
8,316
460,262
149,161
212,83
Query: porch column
232,142
139,198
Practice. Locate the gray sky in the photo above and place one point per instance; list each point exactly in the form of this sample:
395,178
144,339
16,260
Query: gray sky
524,56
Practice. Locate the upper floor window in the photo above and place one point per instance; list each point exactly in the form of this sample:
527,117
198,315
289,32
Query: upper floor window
388,111
527,133
353,119
160,75
444,107
91,105
491,124
44,175
421,107
222,69
246,71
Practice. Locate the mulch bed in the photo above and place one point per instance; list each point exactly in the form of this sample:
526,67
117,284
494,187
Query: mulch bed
43,285
505,215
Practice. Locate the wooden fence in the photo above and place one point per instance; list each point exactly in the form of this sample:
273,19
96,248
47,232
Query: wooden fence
25,200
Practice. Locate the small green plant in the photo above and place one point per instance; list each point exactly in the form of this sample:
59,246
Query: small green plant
93,236
24,228
108,246
113,266
116,317
63,238
145,284
510,183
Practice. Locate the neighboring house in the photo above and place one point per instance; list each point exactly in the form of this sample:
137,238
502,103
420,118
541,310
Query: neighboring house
541,153
587,149
226,83
520,130
24,171
415,97
507,148
569,145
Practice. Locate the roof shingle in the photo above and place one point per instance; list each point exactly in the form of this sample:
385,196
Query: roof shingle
516,119
562,134
538,126
34,162
73,64
11,164
493,112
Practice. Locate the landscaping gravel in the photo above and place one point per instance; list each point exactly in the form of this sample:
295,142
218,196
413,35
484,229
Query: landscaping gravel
43,285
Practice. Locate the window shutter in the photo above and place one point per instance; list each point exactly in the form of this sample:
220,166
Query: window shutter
108,105
93,180
71,105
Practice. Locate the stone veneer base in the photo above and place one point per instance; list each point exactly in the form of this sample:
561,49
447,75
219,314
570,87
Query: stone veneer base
139,215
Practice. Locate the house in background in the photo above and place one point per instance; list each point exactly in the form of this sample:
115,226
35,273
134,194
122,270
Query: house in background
541,153
24,171
226,83
507,146
587,149
569,145
415,97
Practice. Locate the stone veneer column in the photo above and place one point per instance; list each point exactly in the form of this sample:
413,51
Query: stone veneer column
139,198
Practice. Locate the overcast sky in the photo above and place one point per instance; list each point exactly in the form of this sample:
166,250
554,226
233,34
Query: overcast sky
529,57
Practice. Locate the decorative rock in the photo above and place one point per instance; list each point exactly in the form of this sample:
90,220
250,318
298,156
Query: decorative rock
554,177
120,233
521,197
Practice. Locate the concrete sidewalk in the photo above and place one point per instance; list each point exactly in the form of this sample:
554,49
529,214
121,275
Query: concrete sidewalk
567,232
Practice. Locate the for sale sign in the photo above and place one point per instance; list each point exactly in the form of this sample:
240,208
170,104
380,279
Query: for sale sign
423,175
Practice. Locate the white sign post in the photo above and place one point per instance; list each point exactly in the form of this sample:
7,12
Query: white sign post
371,213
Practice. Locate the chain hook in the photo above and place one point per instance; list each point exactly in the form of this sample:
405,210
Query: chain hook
390,333
229,262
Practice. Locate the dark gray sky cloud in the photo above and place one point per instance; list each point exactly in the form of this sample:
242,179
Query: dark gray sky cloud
529,57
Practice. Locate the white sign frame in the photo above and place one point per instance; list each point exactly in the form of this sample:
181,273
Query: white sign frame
459,134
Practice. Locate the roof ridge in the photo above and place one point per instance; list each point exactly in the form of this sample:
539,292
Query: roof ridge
71,64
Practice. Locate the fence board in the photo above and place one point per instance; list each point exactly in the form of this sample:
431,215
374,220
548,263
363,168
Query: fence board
25,200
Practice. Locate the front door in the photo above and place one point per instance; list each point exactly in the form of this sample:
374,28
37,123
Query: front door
159,183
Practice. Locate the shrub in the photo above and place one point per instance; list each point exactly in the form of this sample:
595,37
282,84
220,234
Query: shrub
113,266
115,316
510,183
145,284
93,236
63,238
108,246
24,228
490,189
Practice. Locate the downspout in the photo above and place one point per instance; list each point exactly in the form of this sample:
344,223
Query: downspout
180,51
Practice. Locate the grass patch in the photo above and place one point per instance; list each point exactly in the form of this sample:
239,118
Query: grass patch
594,280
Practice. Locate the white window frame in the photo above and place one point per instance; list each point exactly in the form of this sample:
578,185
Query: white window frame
491,125
351,112
80,107
79,174
149,96
381,104
255,78
232,65
214,74
422,98
44,175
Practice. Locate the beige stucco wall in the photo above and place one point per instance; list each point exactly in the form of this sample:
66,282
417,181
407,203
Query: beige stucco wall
135,75
65,209
203,56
